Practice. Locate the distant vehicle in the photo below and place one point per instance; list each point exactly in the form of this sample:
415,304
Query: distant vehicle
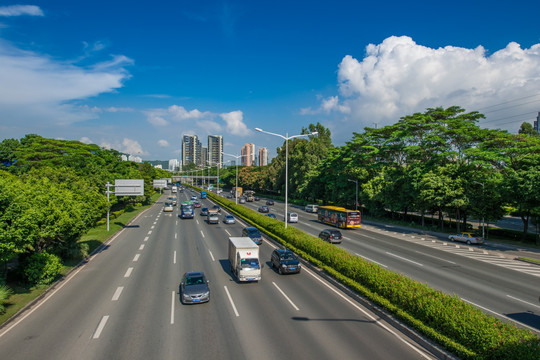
217,208
194,288
311,208
203,194
204,212
285,261
331,235
269,202
168,207
236,191
250,195
467,237
253,233
229,219
213,217
193,198
242,200
174,189
271,215
172,200
229,196
256,198
244,259
292,217
263,209
186,210
339,217
196,204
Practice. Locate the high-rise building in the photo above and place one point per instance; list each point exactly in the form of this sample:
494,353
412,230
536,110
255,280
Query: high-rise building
263,156
215,149
248,154
203,161
191,150
173,165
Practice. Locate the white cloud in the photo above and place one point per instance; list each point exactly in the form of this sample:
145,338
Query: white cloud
86,140
399,77
163,143
18,10
127,146
235,123
180,113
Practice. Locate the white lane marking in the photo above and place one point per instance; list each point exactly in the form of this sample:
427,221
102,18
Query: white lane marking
176,235
151,227
285,296
202,233
149,232
501,315
228,233
146,238
402,258
128,272
100,327
172,308
174,257
436,257
523,301
197,221
141,247
231,301
136,258
373,261
117,293
375,320
211,255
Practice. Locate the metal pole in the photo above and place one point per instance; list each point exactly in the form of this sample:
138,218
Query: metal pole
236,189
286,174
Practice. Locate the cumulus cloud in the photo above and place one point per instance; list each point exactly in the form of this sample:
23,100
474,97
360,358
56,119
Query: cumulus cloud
399,77
18,10
127,146
235,123
163,143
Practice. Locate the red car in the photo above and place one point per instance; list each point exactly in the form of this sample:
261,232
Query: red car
196,204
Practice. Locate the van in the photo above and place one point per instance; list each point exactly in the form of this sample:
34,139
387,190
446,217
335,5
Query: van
311,208
292,217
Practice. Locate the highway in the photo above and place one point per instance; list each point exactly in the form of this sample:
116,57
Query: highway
480,275
124,304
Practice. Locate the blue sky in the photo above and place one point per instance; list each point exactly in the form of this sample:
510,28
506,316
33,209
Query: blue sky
135,76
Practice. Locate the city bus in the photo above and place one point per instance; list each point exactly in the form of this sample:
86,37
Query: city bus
339,217
186,210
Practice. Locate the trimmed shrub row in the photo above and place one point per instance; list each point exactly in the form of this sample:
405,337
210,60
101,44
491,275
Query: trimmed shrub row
456,325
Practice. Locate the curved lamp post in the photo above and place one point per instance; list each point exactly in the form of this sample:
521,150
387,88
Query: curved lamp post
286,138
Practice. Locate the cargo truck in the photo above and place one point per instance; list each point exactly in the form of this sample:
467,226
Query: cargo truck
244,259
213,217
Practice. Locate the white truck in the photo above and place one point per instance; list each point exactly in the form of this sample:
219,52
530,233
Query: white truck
244,259
213,217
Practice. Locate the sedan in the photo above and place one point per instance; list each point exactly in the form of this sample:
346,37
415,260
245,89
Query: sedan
168,207
331,235
467,237
263,209
197,204
269,202
193,198
285,261
273,216
194,288
229,219
204,211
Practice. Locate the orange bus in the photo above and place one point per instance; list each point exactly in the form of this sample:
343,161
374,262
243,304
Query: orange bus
339,217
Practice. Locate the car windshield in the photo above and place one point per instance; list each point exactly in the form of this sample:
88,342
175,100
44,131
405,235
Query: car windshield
229,217
195,280
287,257
354,215
254,232
249,263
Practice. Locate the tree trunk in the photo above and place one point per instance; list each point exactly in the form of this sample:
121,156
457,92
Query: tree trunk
458,221
441,219
525,219
422,213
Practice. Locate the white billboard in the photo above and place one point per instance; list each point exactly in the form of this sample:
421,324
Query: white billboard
160,183
129,187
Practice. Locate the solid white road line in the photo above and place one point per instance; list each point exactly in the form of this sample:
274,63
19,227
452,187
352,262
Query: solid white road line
172,308
231,301
370,260
100,327
438,258
128,272
285,296
117,293
523,301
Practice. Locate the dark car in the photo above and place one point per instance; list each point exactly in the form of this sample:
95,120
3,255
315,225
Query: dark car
218,208
204,211
269,202
256,198
331,235
271,215
285,261
263,209
253,233
194,288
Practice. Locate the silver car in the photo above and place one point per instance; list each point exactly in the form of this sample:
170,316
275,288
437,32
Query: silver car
194,288
229,219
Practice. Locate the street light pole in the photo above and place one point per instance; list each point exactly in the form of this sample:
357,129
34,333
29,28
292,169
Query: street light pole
356,203
236,187
483,199
286,138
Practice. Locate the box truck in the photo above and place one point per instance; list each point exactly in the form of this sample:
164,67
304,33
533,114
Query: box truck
244,259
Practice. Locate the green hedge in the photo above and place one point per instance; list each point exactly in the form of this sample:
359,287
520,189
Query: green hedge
456,325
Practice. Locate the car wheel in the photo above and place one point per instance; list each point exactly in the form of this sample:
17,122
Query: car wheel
280,271
468,242
452,239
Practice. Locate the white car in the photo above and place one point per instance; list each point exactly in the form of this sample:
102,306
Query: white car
168,207
292,217
229,219
467,237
